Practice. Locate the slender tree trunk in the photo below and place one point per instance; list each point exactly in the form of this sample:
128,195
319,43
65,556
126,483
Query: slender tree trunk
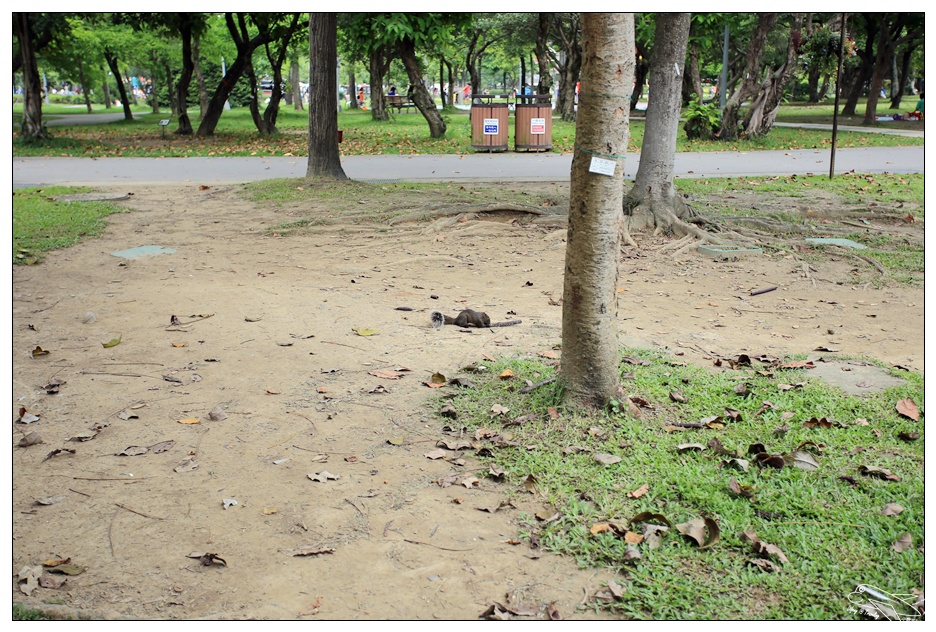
589,368
902,82
185,80
545,85
640,75
84,88
883,51
245,48
749,83
31,128
200,80
861,76
380,59
324,158
254,103
294,82
692,78
105,89
763,109
654,202
111,58
523,81
352,86
421,97
173,97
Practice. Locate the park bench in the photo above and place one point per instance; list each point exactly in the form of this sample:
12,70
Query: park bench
399,102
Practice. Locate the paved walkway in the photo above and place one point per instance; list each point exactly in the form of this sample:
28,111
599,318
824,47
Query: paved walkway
30,172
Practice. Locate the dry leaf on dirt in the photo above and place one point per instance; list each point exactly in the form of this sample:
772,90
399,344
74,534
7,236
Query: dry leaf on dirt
207,559
38,352
386,374
497,409
686,447
314,608
908,436
28,579
26,417
364,331
58,451
908,408
506,374
435,454
767,565
470,482
49,500
323,476
548,353
187,465
112,343
738,489
162,446
437,380
217,414
30,438
190,420
134,450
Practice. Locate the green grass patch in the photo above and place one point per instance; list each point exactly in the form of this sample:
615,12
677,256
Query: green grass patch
831,531
402,134
41,224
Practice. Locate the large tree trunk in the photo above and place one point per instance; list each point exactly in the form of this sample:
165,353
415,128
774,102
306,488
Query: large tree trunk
31,128
111,58
640,75
245,48
569,71
200,80
380,59
84,88
589,367
859,78
105,89
352,86
763,109
749,83
882,53
545,85
294,85
653,202
901,83
185,79
421,97
324,159
692,78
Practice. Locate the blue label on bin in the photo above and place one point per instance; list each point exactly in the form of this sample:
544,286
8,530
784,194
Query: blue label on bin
491,127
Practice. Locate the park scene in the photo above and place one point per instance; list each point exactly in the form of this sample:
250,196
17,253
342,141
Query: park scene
468,316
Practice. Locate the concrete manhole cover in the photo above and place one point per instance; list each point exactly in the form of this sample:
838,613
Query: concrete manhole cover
854,377
92,197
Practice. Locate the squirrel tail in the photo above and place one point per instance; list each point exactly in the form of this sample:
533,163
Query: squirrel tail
437,319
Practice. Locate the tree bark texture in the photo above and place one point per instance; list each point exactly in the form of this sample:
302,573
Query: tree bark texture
295,88
380,59
570,38
589,368
421,97
653,202
763,109
324,159
749,81
111,58
31,128
245,48
199,80
545,85
185,79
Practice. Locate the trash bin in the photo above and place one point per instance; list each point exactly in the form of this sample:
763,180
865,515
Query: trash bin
488,123
533,120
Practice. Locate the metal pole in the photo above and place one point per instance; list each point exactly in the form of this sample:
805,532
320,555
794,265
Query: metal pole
723,79
838,78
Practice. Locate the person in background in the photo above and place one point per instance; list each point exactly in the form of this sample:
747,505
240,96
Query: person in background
392,91
919,108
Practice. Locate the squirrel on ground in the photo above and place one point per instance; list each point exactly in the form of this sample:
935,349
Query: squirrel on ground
468,318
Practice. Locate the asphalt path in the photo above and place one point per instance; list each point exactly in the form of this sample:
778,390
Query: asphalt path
507,166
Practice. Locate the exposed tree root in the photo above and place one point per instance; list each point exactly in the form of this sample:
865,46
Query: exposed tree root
447,210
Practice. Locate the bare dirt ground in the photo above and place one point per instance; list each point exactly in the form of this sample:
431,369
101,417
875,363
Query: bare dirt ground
264,331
